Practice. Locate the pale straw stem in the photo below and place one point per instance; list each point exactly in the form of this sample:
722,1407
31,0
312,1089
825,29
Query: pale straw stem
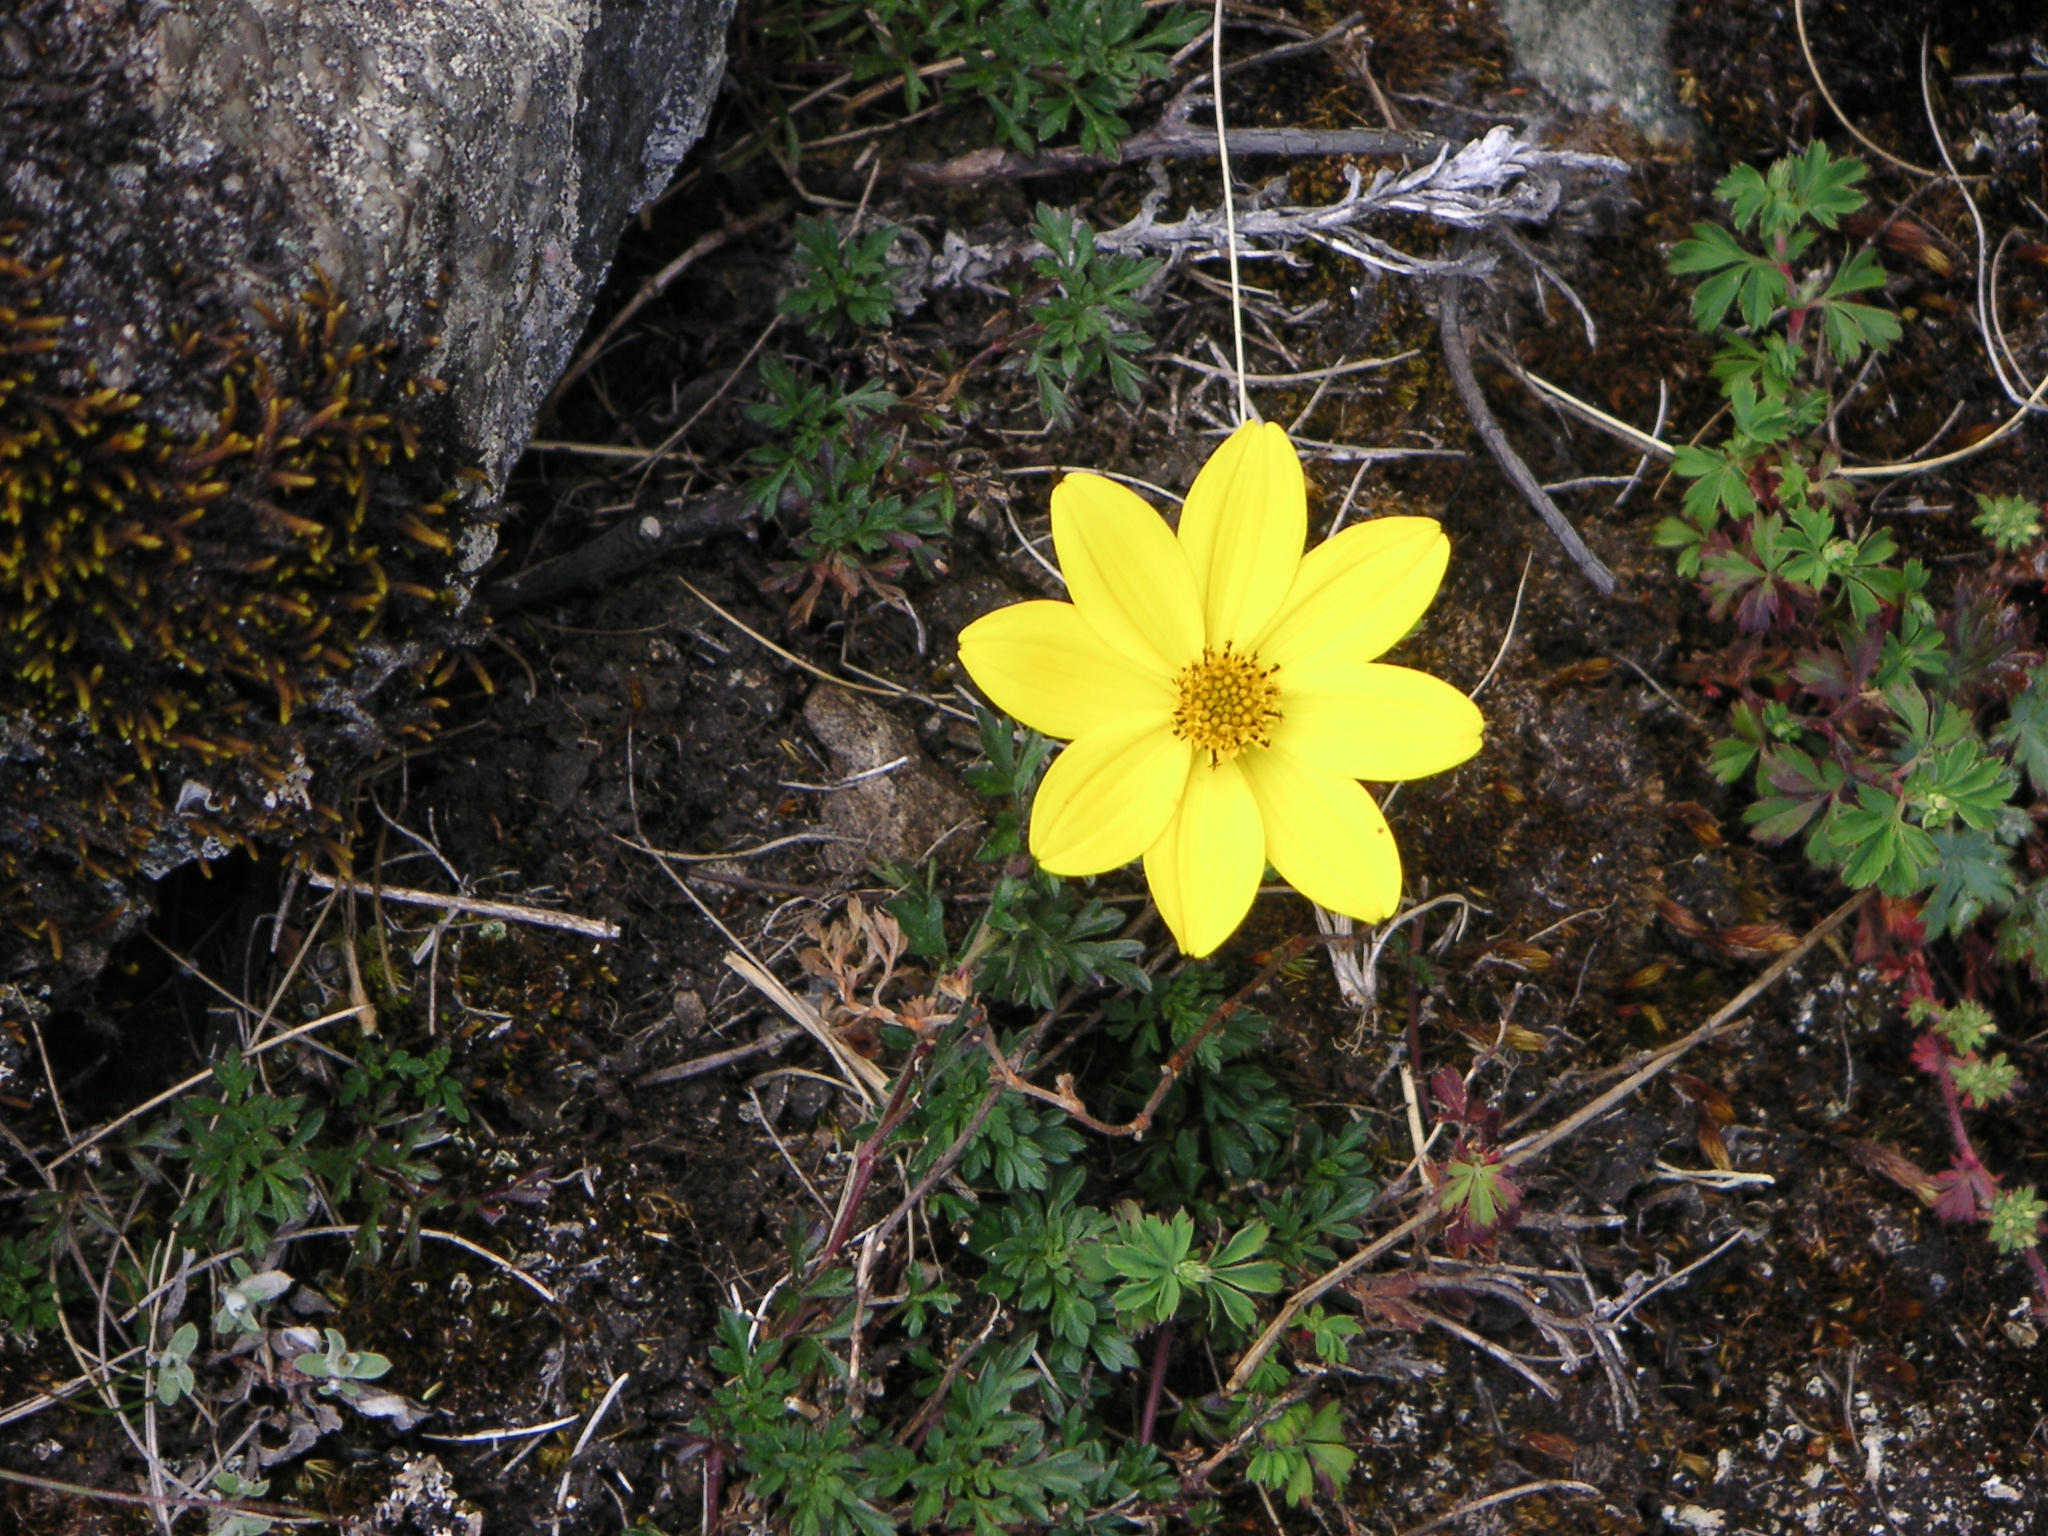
1244,399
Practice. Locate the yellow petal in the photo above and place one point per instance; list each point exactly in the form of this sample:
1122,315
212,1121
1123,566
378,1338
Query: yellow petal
1325,836
1040,663
1107,798
1245,521
1204,869
1126,573
1358,593
1366,720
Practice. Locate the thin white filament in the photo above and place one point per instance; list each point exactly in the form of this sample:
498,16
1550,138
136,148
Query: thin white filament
1244,399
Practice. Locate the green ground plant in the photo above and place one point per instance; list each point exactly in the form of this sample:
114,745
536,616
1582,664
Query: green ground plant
230,1165
1097,1258
1089,323
1877,736
1887,720
842,277
1043,68
858,511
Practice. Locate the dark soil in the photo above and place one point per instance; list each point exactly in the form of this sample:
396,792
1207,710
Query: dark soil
1847,1364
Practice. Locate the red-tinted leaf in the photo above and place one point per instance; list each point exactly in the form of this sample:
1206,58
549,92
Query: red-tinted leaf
1382,1303
1711,1100
1931,1054
1681,920
1447,1087
1888,1162
1955,1200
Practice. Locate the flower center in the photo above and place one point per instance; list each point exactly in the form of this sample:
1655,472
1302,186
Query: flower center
1227,702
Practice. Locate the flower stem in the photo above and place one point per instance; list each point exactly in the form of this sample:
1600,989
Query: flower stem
1156,1382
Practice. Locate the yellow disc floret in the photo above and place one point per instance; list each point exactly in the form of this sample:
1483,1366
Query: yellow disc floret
1227,702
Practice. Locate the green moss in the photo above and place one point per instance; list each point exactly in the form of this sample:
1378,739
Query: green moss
246,606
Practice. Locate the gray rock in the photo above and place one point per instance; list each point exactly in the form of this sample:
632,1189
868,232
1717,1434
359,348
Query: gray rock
457,172
1593,55
900,814
461,168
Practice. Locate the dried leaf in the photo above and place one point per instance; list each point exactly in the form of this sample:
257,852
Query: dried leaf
1648,976
1711,1100
1702,823
1712,1147
1680,920
1521,957
1755,941
1562,1449
1594,669
1890,1163
1382,1301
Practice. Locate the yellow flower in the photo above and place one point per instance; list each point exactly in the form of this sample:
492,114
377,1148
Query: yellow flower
1220,694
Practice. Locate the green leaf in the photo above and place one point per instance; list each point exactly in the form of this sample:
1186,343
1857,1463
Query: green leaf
1877,846
1761,419
2010,522
1153,1261
1479,1189
1859,273
1963,782
1763,291
1805,787
2023,935
1983,1083
1824,187
1747,194
1720,482
1091,323
2016,1219
1730,758
1330,1333
1297,1448
1966,1026
1975,877
2025,732
841,277
1849,328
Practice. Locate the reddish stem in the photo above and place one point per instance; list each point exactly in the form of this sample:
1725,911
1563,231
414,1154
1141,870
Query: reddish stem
714,1486
894,1113
1150,1415
1969,1164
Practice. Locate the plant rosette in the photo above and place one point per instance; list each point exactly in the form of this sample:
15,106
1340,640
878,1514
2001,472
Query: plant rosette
1219,690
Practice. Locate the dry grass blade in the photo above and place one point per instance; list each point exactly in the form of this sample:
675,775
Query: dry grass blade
863,1075
1506,1495
511,912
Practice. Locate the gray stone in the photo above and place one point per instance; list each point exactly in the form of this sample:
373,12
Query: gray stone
1597,55
461,168
458,172
902,813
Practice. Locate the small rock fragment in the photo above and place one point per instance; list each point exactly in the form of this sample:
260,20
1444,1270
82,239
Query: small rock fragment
901,814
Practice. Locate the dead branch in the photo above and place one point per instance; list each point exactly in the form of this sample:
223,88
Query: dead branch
626,547
539,917
1174,141
1491,181
698,1067
1459,360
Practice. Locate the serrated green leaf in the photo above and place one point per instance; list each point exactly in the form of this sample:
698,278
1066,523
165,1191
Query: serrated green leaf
2025,732
1975,877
